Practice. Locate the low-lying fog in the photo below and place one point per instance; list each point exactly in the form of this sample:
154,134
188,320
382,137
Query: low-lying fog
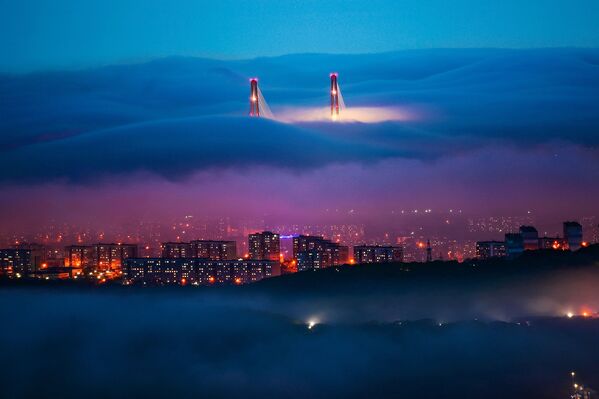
501,338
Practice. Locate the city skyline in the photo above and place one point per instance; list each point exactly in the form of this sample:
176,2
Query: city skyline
264,254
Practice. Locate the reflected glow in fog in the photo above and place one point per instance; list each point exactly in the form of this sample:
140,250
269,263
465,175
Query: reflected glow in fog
350,114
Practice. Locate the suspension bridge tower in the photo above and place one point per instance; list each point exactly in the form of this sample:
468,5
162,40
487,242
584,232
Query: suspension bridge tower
254,98
334,97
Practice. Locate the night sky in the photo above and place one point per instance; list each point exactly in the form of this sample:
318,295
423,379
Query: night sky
116,113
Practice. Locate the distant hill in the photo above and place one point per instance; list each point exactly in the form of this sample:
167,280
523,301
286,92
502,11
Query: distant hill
531,268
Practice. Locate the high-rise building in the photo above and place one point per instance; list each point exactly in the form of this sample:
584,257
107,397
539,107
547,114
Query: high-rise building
429,251
337,254
173,250
215,250
304,243
377,254
39,255
265,245
111,257
490,249
514,245
573,235
314,252
80,257
15,262
530,238
99,257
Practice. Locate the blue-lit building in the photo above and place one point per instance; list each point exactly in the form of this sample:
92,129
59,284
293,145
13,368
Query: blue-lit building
514,245
530,238
573,235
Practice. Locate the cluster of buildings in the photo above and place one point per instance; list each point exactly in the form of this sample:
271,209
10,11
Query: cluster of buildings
205,262
527,239
197,262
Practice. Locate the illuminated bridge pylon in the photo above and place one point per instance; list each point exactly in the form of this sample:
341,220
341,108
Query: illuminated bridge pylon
254,104
258,105
337,103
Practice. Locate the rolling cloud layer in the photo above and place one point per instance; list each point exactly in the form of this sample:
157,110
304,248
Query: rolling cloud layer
176,116
487,131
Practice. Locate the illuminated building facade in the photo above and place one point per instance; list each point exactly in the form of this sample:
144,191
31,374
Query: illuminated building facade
556,243
377,254
38,255
112,256
214,250
490,249
314,252
173,250
265,245
573,235
104,257
198,271
81,257
15,262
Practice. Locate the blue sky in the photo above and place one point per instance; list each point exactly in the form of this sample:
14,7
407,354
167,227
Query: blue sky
56,34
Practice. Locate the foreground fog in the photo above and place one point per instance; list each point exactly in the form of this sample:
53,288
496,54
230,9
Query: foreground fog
500,334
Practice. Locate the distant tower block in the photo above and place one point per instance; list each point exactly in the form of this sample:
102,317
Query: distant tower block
254,98
334,97
429,251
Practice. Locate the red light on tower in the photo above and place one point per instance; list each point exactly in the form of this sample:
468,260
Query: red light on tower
254,103
334,96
